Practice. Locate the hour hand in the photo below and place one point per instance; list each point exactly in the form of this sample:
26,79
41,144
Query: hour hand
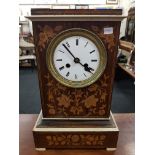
91,68
88,68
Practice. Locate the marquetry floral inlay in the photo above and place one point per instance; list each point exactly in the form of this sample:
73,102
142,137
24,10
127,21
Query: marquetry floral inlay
75,139
90,101
46,32
60,101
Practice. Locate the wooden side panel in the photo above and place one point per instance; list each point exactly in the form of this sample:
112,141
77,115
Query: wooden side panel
60,101
67,140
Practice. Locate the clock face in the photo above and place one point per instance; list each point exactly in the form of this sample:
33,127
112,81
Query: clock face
74,47
76,58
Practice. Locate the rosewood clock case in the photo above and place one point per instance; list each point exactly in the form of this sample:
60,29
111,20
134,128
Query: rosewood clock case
76,118
59,101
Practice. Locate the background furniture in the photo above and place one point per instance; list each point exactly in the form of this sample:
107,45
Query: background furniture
128,49
27,55
130,26
126,44
26,47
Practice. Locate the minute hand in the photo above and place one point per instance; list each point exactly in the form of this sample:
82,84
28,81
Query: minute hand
77,60
68,50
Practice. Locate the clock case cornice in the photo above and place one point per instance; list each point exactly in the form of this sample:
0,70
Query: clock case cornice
76,17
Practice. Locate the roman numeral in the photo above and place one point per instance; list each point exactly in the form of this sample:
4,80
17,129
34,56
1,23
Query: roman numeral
86,44
61,51
92,51
77,42
59,60
61,68
93,60
67,44
75,76
67,74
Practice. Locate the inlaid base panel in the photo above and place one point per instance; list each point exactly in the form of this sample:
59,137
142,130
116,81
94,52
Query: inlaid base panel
75,134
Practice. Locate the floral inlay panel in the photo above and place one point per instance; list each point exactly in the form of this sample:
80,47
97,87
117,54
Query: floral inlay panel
89,101
75,139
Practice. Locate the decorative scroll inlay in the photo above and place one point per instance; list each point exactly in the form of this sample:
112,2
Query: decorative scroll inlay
75,139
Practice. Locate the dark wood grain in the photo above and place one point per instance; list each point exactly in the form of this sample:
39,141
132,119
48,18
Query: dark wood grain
75,140
60,101
77,11
125,144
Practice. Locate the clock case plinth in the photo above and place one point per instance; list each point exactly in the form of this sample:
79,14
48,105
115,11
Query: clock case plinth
75,134
75,118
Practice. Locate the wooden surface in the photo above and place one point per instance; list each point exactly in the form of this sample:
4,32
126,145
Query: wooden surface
125,145
127,46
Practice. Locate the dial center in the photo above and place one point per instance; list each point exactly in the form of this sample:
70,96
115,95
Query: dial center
76,60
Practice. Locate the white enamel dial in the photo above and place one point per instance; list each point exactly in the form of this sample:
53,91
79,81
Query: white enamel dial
76,58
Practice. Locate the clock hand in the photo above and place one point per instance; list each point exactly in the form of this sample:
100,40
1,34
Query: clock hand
86,68
91,68
68,50
86,65
77,60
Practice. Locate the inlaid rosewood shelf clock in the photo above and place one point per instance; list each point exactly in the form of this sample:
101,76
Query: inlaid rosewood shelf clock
76,56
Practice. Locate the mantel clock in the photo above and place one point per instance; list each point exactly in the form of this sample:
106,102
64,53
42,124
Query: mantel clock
76,56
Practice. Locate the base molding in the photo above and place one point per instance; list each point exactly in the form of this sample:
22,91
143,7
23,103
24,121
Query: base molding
75,134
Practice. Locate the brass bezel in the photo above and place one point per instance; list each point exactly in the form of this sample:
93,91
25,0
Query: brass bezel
76,32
